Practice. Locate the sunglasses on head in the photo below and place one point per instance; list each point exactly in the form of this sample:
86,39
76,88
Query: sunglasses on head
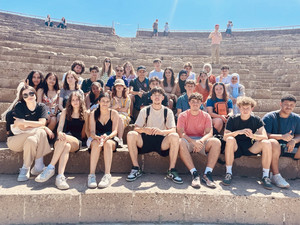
31,94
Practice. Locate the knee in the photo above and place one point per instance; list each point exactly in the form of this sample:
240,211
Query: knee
94,145
266,144
215,142
32,141
174,138
132,135
230,141
67,148
107,145
217,122
275,145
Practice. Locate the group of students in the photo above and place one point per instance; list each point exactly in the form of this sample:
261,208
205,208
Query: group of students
93,112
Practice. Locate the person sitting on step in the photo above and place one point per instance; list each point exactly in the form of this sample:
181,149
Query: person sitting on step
245,135
155,130
71,136
283,129
196,135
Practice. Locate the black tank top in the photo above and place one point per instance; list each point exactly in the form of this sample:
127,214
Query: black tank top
74,127
104,129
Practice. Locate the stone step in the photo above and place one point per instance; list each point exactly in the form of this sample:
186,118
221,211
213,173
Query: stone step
150,199
79,163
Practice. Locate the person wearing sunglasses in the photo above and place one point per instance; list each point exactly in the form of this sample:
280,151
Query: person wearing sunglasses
119,75
28,133
107,70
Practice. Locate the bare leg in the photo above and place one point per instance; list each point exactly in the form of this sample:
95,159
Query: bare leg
218,124
134,139
171,141
108,148
95,153
120,128
276,150
265,147
185,154
230,148
64,159
52,123
213,148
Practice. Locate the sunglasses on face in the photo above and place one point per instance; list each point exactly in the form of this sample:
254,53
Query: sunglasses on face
107,61
31,94
119,70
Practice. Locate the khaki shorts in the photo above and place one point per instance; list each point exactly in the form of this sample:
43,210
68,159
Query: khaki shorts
191,146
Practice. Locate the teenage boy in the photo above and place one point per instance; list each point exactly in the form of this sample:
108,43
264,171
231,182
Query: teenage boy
78,67
119,75
195,130
137,88
155,130
146,99
216,38
224,78
283,129
245,135
183,101
94,77
157,72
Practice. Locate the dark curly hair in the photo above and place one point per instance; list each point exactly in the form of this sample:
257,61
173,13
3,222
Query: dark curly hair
79,63
30,76
45,85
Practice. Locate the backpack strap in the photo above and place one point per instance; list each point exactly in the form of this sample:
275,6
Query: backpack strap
148,113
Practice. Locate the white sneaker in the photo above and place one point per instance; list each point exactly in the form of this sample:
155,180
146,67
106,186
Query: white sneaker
279,181
92,181
23,174
61,182
36,172
105,181
45,175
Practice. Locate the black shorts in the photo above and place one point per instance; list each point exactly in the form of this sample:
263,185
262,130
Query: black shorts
287,154
152,143
243,149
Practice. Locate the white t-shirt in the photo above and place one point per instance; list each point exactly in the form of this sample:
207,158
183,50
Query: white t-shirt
156,118
154,73
225,80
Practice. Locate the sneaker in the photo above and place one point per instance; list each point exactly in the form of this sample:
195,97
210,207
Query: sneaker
279,181
23,174
36,172
119,142
135,173
61,182
173,175
105,181
45,175
207,179
266,182
196,180
92,181
227,180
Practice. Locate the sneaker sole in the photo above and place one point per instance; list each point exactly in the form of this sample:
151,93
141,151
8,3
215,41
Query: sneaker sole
22,180
212,187
268,188
225,184
42,181
133,179
196,187
176,182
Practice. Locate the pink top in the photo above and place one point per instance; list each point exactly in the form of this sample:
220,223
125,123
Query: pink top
216,38
194,126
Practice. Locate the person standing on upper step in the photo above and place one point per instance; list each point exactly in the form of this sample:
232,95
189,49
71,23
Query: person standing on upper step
28,132
245,135
157,72
283,129
155,28
216,38
195,130
166,30
155,130
78,67
224,76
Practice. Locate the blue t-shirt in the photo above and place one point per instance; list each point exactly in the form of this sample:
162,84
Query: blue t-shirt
211,103
183,103
112,79
292,123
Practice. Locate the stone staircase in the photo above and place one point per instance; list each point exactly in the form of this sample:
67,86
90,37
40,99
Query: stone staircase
268,65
